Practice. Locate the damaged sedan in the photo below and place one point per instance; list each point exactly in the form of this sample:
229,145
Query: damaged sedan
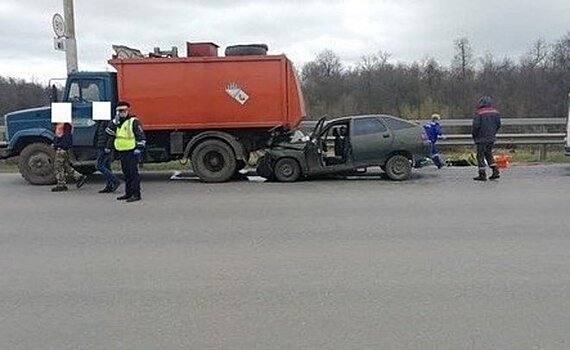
345,146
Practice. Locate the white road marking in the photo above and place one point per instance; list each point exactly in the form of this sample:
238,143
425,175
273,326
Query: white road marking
178,176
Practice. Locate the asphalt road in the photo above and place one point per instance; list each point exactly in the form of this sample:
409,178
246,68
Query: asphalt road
439,262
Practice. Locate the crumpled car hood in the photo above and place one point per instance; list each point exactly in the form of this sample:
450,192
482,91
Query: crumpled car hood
292,145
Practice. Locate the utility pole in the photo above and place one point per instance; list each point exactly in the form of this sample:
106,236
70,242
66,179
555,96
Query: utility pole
71,44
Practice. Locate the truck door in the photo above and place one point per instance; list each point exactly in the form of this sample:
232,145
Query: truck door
370,140
82,93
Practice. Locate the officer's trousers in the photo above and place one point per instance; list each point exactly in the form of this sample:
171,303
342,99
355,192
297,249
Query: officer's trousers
130,168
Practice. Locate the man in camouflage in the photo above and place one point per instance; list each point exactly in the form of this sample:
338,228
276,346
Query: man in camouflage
62,166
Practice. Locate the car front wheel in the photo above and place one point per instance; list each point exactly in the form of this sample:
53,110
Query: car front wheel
287,170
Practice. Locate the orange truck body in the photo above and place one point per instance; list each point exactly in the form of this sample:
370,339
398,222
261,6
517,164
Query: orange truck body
198,93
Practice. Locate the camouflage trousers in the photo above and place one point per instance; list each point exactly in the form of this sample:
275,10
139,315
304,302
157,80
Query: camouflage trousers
62,167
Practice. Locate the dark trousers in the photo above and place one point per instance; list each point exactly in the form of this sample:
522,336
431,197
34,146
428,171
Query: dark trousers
104,166
485,153
129,166
434,155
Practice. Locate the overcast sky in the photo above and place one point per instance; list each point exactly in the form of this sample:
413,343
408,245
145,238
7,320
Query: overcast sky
410,30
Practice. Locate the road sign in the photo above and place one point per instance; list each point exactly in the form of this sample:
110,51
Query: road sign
59,44
58,25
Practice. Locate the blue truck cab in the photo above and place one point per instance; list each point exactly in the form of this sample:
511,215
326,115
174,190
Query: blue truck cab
29,133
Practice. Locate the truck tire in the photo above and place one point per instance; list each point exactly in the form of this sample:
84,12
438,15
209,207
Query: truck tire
398,168
246,50
287,170
214,161
36,164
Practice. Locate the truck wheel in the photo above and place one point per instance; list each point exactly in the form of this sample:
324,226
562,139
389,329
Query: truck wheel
36,164
214,161
398,168
85,169
246,50
287,170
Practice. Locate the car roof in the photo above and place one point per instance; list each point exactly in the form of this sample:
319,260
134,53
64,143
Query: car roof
362,116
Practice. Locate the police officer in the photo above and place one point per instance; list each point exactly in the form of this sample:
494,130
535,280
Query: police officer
129,142
486,123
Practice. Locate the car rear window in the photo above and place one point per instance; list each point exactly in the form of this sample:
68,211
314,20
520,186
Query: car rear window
397,124
366,126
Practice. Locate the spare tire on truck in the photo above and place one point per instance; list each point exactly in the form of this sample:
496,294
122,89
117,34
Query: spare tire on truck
246,50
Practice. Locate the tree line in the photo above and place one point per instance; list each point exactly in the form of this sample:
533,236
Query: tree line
16,94
535,85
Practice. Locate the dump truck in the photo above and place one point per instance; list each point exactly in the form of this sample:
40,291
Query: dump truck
212,110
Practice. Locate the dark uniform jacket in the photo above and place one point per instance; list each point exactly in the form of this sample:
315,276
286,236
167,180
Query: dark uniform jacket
140,137
486,123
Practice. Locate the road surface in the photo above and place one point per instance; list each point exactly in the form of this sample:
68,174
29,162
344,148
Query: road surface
439,262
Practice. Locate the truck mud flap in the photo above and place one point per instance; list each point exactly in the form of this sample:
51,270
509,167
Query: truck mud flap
4,152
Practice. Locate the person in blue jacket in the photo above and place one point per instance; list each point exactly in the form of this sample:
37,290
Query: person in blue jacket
434,132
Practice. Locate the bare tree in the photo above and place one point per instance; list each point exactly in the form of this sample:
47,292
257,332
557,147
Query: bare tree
561,53
463,59
537,55
323,81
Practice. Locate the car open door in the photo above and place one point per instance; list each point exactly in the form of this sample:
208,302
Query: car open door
317,129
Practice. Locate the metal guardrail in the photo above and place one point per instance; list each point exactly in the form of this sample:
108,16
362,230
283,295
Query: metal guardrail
505,122
467,122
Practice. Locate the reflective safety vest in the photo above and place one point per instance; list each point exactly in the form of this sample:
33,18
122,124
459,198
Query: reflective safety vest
125,137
